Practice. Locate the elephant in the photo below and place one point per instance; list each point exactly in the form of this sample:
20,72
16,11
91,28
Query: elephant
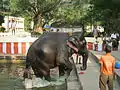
54,49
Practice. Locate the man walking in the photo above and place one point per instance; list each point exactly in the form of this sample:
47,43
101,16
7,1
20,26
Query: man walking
115,41
107,64
95,32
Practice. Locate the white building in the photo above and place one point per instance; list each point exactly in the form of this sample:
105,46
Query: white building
19,23
19,26
90,28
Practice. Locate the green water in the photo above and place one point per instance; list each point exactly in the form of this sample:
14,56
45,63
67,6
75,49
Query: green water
11,78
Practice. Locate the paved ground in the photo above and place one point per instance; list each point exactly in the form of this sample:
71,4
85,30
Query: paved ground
90,77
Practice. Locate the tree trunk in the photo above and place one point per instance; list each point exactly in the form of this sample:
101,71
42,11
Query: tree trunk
37,23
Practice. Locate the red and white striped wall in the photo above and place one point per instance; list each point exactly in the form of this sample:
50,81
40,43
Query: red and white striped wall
14,47
90,45
93,46
22,47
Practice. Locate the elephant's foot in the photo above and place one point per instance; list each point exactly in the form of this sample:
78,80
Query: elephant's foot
27,74
48,78
61,73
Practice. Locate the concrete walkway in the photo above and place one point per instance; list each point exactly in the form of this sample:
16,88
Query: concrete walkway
90,77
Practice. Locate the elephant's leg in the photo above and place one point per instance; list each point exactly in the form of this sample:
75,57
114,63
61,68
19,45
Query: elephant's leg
42,73
84,61
65,69
47,77
79,59
27,74
70,65
36,72
41,69
61,70
64,64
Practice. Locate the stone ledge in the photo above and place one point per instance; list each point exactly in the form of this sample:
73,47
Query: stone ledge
12,58
117,72
73,81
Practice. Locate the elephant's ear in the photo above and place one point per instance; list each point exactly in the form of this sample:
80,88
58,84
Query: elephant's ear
72,43
72,46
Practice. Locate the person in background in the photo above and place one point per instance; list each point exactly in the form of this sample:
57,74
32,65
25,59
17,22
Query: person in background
107,66
51,30
57,30
44,31
115,41
113,36
95,32
118,37
13,27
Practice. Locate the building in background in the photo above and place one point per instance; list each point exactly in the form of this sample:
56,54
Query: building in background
19,23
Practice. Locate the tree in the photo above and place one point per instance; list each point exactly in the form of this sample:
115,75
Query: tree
4,7
71,13
36,9
55,12
4,10
106,12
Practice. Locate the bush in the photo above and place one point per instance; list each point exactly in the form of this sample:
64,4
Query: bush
88,34
2,29
35,34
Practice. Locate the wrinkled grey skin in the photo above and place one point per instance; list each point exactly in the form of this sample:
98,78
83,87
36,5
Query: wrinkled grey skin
50,50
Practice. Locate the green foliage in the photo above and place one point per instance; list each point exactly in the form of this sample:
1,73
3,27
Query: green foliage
35,9
106,12
1,19
4,7
70,14
2,29
35,34
88,34
55,12
27,23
